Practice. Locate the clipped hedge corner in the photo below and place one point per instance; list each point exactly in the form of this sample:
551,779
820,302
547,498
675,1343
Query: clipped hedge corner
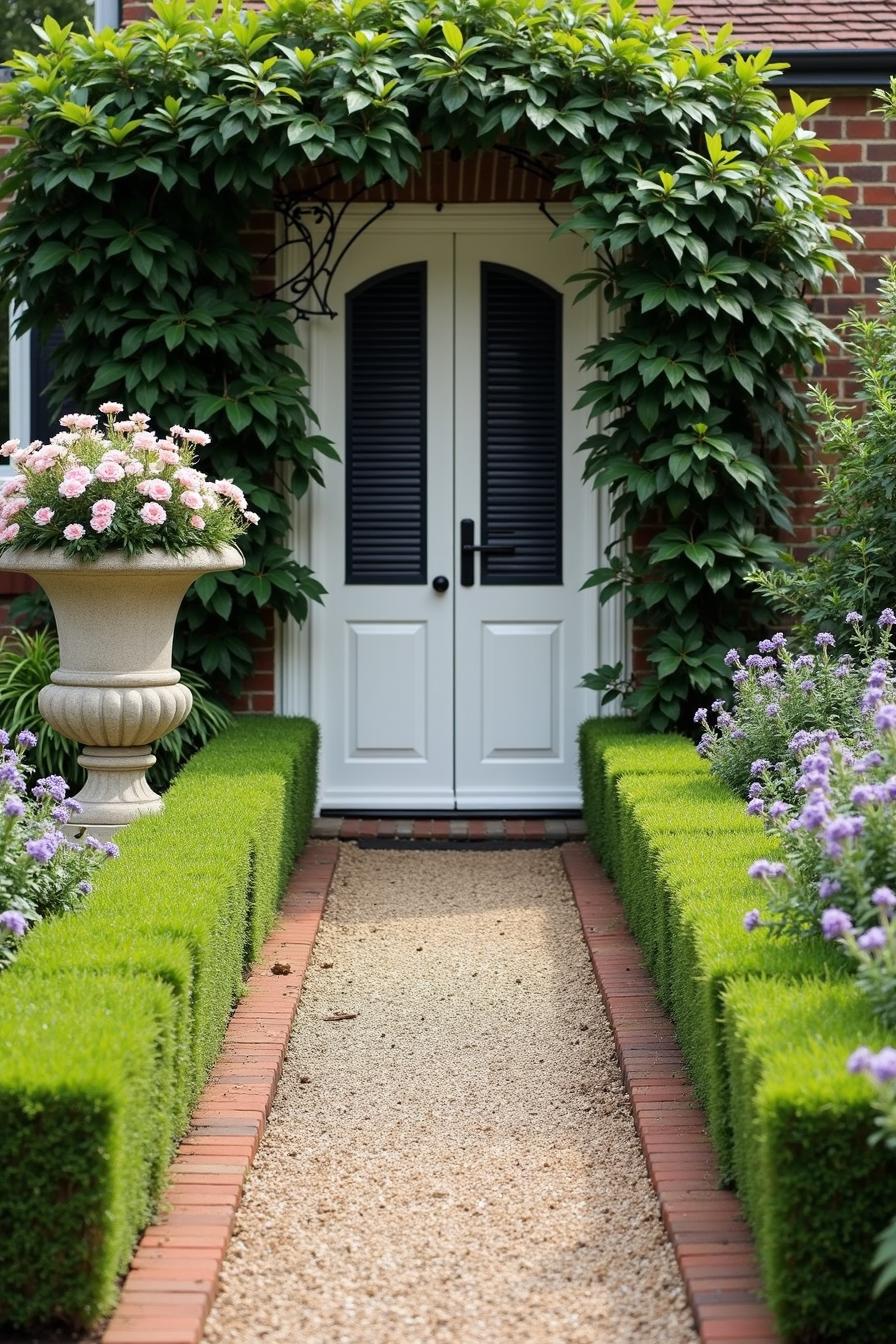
111,1019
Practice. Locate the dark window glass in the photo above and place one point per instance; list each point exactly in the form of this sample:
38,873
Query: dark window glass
386,428
522,427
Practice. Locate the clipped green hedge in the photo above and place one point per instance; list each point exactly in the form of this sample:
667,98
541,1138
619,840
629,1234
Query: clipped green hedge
765,1026
111,1019
817,1193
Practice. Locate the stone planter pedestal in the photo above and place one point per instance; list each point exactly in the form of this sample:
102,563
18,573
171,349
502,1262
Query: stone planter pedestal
115,691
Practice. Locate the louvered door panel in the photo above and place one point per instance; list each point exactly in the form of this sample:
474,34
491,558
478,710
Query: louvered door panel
386,428
522,432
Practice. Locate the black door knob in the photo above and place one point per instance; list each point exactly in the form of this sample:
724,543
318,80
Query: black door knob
440,583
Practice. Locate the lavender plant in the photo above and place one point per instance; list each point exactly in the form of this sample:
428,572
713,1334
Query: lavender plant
778,697
42,871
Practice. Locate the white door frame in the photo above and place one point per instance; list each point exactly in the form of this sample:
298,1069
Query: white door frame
295,645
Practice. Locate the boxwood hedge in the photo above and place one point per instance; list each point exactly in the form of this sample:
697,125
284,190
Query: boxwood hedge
111,1019
765,1026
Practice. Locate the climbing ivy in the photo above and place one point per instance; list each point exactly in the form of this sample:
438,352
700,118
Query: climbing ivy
705,217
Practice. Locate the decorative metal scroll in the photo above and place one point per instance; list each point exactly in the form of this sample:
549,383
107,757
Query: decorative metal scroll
318,227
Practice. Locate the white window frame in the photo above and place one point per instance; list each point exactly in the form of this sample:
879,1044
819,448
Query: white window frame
106,14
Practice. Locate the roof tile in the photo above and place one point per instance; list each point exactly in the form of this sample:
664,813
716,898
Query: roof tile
802,24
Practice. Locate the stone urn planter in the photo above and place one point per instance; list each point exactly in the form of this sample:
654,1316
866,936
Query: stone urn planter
116,692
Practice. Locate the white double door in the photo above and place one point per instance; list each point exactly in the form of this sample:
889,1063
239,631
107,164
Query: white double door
442,677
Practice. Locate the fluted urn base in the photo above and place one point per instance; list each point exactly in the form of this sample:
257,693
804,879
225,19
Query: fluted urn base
115,691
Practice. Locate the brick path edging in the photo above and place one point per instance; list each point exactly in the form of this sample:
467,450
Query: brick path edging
552,829
173,1277
705,1224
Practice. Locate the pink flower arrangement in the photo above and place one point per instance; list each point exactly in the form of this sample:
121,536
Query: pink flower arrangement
99,485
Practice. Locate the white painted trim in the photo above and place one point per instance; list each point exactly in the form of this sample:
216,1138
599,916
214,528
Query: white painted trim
107,13
19,388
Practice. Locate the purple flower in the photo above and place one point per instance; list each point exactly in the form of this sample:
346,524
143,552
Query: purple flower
755,807
43,849
778,808
873,940
871,699
752,920
808,686
800,740
884,897
867,762
14,807
756,789
773,710
92,843
886,618
853,617
111,850
883,1065
825,640
4,738
828,887
704,744
84,888
10,775
701,715
16,923
814,815
804,660
732,658
885,719
835,923
754,660
860,1060
863,795
26,738
841,670
51,786
765,868
760,765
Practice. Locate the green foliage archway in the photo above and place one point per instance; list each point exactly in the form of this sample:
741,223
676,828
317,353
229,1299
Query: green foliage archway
140,155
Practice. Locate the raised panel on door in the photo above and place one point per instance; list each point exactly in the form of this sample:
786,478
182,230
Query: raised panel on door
382,655
525,634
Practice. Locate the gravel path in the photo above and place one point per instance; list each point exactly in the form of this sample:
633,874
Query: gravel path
457,1163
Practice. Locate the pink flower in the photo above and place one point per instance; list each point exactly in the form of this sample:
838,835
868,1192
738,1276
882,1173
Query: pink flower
134,469
79,473
191,499
71,489
74,532
156,489
140,419
196,436
111,408
189,479
100,521
197,522
124,426
41,462
228,490
13,506
153,514
43,516
9,533
9,447
177,431
103,506
109,472
170,456
251,517
144,442
116,455
14,486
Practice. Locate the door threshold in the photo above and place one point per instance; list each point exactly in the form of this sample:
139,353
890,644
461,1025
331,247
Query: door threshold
446,814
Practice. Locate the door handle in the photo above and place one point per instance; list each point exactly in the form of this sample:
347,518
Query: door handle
468,551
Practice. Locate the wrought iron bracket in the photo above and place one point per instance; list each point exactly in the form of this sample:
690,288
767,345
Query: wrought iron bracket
315,223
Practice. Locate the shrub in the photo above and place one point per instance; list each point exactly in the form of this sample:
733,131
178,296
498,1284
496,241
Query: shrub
852,568
169,930
41,872
817,1195
782,701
